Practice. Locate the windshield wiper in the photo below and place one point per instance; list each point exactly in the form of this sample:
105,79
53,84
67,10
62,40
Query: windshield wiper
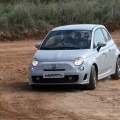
66,48
45,48
59,48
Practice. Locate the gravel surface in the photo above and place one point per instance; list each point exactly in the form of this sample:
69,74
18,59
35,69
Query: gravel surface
19,102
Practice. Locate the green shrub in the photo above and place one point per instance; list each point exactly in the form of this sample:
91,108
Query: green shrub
19,15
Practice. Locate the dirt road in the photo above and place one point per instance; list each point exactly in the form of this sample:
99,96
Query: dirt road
19,102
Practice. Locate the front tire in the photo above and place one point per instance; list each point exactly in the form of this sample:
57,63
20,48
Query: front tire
116,76
93,79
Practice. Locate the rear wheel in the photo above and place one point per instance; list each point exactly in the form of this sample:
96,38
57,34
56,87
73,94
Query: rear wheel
93,79
116,76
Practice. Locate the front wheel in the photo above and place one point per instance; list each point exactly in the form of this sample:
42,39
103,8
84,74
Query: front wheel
116,76
93,79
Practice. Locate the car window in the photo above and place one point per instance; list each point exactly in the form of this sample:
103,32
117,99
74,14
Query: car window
67,39
98,37
107,36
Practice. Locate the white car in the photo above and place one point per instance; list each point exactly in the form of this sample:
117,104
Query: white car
75,54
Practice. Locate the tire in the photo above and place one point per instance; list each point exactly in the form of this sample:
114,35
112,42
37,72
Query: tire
116,76
93,79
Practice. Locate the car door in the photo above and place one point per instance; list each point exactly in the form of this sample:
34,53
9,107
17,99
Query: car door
101,55
110,61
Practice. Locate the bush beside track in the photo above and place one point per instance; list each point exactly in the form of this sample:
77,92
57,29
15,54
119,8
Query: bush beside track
29,18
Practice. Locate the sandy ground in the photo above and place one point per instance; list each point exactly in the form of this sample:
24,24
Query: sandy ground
19,102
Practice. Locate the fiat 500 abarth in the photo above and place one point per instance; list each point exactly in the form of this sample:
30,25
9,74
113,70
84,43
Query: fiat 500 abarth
75,54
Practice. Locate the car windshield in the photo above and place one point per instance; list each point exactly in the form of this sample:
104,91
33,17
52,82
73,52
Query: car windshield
67,39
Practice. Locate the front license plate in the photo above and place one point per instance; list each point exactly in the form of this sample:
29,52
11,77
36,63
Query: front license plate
53,75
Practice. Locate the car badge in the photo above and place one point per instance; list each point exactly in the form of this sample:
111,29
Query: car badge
53,66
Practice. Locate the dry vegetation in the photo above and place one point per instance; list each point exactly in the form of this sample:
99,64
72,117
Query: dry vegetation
38,16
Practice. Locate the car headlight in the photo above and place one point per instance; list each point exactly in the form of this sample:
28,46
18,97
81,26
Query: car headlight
35,62
79,61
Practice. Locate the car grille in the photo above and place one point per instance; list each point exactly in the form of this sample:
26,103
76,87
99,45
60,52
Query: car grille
54,69
66,79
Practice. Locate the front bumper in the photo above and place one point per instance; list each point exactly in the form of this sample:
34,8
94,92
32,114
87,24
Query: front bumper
72,74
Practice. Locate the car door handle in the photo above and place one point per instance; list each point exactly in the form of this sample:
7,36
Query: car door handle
109,50
105,54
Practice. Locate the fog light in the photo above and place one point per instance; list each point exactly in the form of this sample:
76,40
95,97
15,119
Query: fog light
37,78
70,78
31,69
81,68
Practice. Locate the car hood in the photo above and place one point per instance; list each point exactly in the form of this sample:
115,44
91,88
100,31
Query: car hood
61,55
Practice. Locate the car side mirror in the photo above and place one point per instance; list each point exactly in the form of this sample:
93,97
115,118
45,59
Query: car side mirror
100,44
37,45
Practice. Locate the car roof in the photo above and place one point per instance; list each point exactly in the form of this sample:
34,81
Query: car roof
78,27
